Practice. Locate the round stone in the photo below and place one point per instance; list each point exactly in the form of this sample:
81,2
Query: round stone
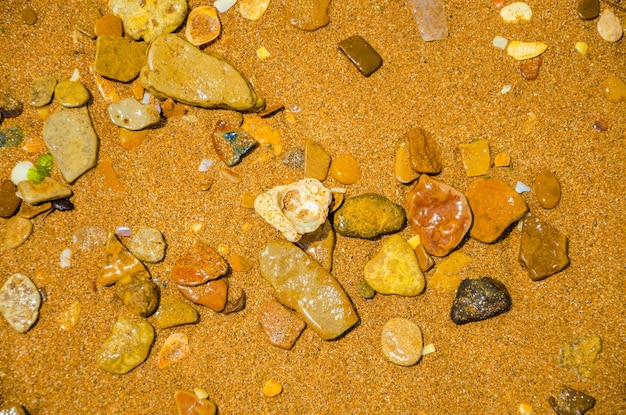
401,341
131,114
609,26
147,244
9,202
29,16
127,347
345,169
547,189
19,302
71,94
614,89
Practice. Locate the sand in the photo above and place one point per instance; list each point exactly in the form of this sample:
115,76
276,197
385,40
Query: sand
450,88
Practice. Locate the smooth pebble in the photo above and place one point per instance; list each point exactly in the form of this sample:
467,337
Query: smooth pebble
547,189
543,249
131,114
283,327
127,346
212,294
368,216
402,341
345,169
147,244
308,14
479,299
71,94
614,89
119,58
41,90
609,26
199,264
149,19
108,25
203,25
19,302
9,202
174,312
316,161
18,230
49,189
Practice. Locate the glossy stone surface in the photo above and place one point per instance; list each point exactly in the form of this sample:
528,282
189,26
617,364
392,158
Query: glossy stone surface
17,231
282,326
345,169
252,9
71,94
174,312
402,165
19,302
189,403
588,9
9,202
203,25
424,152
320,245
547,189
213,294
119,58
316,161
303,285
480,299
430,16
571,402
138,293
476,158
108,25
127,346
41,90
401,341
49,189
439,214
131,114
424,259
614,89
308,14
394,269
368,216
120,263
149,19
197,265
361,54
177,69
231,142
495,205
543,249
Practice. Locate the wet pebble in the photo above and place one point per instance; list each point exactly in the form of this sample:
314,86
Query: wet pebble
29,211
130,139
609,26
11,136
197,265
547,189
71,94
29,16
9,106
19,302
49,189
119,58
581,355
63,205
479,299
424,152
235,302
424,259
571,402
203,25
9,202
316,161
147,244
543,249
282,326
119,263
175,348
320,245
212,294
345,169
272,388
402,341
368,216
131,114
308,14
12,409
68,318
529,68
41,90
189,403
127,346
614,89
149,19
394,269
402,165
361,54
139,293
430,16
108,25
174,312
525,50
17,231
231,142
476,158
588,9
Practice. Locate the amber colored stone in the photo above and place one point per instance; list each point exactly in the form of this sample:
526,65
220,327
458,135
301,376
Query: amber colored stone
424,259
109,25
547,189
308,14
402,165
476,157
446,278
120,263
17,231
316,161
247,200
139,293
29,211
29,16
137,89
130,139
439,214
502,160
235,302
320,244
581,355
188,403
529,68
171,109
361,54
614,89
424,152
213,294
240,263
337,201
345,169
495,206
272,388
543,249
282,326
198,265
9,202
111,182
588,9
175,348
264,132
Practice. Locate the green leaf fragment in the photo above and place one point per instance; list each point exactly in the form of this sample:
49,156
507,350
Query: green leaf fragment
41,169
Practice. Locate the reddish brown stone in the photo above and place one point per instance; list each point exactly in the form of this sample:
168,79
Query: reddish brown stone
543,249
529,68
213,294
281,325
423,152
198,265
9,202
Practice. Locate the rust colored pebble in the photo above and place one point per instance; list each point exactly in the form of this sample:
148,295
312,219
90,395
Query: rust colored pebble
198,265
529,68
345,169
282,326
130,139
108,25
29,16
213,294
502,160
547,189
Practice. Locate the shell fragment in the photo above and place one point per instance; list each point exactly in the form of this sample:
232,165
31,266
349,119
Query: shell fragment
525,50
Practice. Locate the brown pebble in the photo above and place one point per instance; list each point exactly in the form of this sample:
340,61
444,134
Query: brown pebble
281,325
543,249
361,54
316,161
600,124
547,189
529,68
9,202
109,25
29,16
18,229
424,259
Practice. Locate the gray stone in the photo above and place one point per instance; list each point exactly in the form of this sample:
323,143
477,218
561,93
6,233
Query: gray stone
41,90
131,114
19,302
149,19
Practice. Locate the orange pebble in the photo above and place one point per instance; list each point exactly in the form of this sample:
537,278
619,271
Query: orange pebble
175,348
239,263
345,169
502,160
247,200
131,139
272,388
230,175
137,89
172,109
188,403
108,25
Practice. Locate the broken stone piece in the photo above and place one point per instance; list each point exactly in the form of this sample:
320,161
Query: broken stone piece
581,355
423,152
283,327
41,90
430,16
213,294
571,402
316,161
231,142
120,263
197,265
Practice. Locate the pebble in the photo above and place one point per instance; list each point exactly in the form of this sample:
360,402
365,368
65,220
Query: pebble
223,6
9,202
119,263
424,259
231,142
71,139
253,9
29,16
139,293
581,355
521,188
446,278
174,312
235,302
516,13
588,9
108,25
189,403
439,214
424,152
476,158
529,68
239,263
394,269
525,50
547,189
12,409
502,160
19,302
295,160
614,89
368,216
49,189
69,317
149,19
71,94
500,42
212,294
41,90
11,136
171,109
175,349
18,230
308,14
130,139
609,26
571,402
495,206
303,285
282,326
119,58
177,69
430,16
147,244
316,161
543,249
479,299
365,290
131,114
581,47
345,169
402,341
272,388
127,346
247,200
197,265
320,245
62,205
264,132
361,54
9,106
402,165
203,25
600,124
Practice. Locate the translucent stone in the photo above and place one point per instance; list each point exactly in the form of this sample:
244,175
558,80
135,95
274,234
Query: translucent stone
430,16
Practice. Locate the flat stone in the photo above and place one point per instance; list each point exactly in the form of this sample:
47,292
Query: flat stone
479,299
231,142
147,244
108,25
316,161
29,211
9,106
119,58
282,326
197,265
131,114
149,19
547,189
19,302
394,269
308,14
581,355
361,54
127,347
424,152
588,9
174,312
529,68
476,158
29,16
71,94
175,348
303,285
320,245
9,202
119,263
609,26
17,231
176,69
571,402
402,165
139,293
71,139
402,341
439,214
11,136
365,290
49,189
213,294
368,216
345,169
543,249
41,90
430,16
495,206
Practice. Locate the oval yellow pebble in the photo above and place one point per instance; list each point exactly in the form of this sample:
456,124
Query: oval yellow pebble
345,169
272,388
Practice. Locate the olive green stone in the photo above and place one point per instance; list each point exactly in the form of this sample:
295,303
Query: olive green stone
174,312
368,216
127,346
71,94
361,54
365,290
588,9
41,90
119,58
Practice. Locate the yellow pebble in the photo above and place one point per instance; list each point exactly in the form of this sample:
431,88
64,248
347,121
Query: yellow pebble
272,388
345,169
414,241
69,317
476,158
247,200
246,226
262,53
581,47
502,160
525,409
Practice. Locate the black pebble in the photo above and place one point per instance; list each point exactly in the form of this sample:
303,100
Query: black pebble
480,299
572,402
62,204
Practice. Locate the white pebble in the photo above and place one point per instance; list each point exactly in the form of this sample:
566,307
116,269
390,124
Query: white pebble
66,256
205,165
122,231
224,5
500,42
18,174
75,76
609,26
505,89
516,12
521,188
338,189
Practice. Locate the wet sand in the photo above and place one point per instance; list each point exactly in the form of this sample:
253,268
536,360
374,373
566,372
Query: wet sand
450,88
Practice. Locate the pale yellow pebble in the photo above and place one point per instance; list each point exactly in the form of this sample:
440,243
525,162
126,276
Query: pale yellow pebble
402,165
516,12
247,200
581,47
262,53
223,250
529,123
446,278
272,388
196,227
107,89
246,226
253,9
525,50
69,317
414,241
525,409
201,393
428,349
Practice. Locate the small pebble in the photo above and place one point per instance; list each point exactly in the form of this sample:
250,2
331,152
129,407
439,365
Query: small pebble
253,9
189,403
282,326
65,259
479,299
171,109
402,165
18,230
127,346
581,355
174,312
516,12
316,161
529,68
69,316
571,402
500,42
130,139
212,294
108,25
197,265
543,249
581,47
49,189
29,16
402,341
506,89
247,200
368,216
547,189
29,211
264,132
230,175
424,259
131,114
139,293
203,25
424,152
9,202
614,89
272,388
71,94
19,302
476,158
231,143
345,169
11,136
63,205
430,16
147,244
446,278
175,348
9,106
502,160
235,302
222,6
609,26
525,50
308,14
600,124
361,54
365,290
41,91
521,188
588,9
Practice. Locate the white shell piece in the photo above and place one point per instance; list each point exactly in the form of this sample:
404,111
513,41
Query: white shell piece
516,12
500,42
295,209
65,259
609,26
521,188
224,5
18,174
506,89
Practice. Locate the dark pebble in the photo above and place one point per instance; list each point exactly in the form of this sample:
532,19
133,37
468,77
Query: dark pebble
588,9
63,204
11,136
9,106
571,402
480,299
29,16
9,202
361,54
